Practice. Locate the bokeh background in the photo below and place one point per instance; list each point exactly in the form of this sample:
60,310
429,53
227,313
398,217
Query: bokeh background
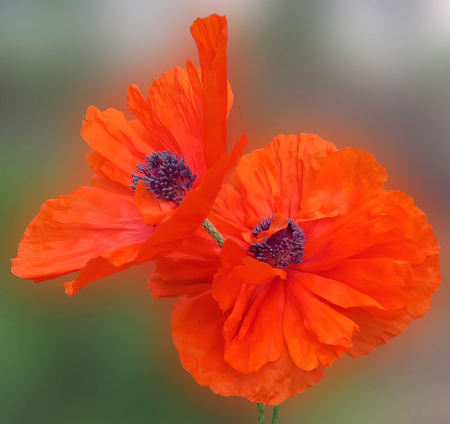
373,75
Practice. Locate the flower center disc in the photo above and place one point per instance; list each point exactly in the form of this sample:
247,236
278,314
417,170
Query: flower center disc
165,176
281,249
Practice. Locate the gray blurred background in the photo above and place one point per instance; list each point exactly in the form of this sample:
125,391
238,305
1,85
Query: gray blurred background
373,75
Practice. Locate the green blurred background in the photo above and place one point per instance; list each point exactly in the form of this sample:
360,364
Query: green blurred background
373,75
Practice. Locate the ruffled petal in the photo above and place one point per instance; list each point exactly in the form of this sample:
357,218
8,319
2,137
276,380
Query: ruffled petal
383,220
197,333
412,241
334,291
329,326
304,347
152,209
374,331
387,281
200,246
164,288
211,36
228,214
194,262
377,329
255,179
298,159
70,231
103,183
94,270
256,272
234,320
182,267
173,116
261,340
104,168
226,288
286,169
119,148
348,179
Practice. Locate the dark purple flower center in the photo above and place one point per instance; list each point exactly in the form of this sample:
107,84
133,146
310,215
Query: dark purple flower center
168,177
281,249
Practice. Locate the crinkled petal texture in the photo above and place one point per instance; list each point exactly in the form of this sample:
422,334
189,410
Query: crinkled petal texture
71,230
106,228
197,325
370,267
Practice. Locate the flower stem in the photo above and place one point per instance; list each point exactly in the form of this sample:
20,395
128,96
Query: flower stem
275,414
261,417
208,226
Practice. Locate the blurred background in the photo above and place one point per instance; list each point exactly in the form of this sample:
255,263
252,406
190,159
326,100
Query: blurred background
373,75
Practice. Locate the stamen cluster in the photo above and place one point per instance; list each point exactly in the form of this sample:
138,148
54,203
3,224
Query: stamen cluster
281,249
168,177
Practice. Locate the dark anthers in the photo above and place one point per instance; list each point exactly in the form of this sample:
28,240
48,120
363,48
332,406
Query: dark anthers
262,226
284,248
168,177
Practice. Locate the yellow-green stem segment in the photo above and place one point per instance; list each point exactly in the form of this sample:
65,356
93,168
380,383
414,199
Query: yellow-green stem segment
208,226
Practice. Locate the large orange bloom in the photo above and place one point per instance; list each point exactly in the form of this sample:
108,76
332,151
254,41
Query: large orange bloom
318,261
156,177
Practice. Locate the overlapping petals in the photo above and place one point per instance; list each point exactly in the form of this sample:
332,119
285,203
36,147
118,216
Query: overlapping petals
370,266
106,228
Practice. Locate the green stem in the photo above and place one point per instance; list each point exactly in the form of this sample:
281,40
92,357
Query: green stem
208,226
275,414
261,417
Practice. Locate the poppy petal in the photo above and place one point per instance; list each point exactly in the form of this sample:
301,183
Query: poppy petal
334,291
70,231
413,238
164,288
228,213
103,167
255,177
233,322
256,272
304,347
103,183
226,288
173,116
95,269
153,210
286,167
199,246
374,331
172,269
197,257
349,178
211,36
197,333
263,341
377,328
385,280
329,326
112,137
331,241
298,159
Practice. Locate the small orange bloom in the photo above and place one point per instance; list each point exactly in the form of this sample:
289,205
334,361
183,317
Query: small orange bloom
156,177
319,260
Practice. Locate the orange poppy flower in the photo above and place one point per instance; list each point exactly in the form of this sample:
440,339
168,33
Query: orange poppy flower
156,177
319,260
